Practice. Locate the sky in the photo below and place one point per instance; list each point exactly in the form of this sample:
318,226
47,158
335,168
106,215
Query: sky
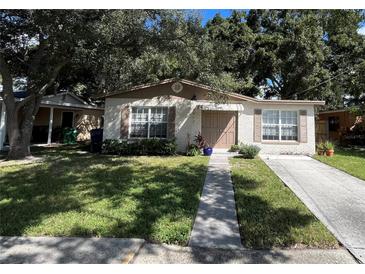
209,14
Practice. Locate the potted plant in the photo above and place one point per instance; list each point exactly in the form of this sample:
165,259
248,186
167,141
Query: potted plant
329,148
207,151
321,149
202,143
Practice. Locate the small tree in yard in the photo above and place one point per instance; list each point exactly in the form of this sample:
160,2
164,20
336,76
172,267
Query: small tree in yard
36,45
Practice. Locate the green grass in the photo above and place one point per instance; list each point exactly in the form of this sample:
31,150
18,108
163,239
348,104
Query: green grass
350,160
72,194
269,214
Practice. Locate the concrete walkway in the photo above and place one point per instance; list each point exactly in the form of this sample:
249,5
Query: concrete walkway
216,224
61,250
336,198
167,254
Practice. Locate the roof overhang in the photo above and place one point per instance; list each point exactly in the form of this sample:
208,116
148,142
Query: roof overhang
208,88
333,111
46,103
50,103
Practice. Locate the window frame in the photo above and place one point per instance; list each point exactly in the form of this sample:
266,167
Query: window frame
148,121
280,125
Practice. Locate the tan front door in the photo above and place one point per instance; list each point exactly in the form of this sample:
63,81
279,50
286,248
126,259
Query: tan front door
219,128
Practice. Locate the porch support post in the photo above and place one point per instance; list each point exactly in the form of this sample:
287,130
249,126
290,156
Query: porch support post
50,125
2,125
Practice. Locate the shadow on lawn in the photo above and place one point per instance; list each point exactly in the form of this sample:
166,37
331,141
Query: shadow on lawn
263,226
350,151
71,182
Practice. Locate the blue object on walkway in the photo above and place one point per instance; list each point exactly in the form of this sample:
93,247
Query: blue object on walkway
208,151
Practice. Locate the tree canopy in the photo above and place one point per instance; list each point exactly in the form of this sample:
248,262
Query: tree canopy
290,54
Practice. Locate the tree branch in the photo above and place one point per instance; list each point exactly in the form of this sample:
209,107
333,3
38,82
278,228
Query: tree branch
35,61
52,78
43,89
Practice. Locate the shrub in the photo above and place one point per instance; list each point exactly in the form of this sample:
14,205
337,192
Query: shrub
321,148
111,146
249,151
201,141
140,147
234,148
168,147
193,150
328,145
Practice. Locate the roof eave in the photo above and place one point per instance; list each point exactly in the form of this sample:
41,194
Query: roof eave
195,84
292,102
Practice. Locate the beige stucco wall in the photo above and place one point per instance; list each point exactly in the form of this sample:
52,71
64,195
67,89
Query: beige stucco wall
246,123
188,121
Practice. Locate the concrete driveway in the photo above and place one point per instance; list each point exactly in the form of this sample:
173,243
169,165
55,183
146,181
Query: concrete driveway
336,198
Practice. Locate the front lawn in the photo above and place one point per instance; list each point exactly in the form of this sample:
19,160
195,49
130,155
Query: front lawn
350,160
269,213
81,194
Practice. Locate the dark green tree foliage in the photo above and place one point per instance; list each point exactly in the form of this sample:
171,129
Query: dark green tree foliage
346,58
293,54
141,46
289,52
234,41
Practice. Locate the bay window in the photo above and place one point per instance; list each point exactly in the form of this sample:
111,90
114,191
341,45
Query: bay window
149,122
279,125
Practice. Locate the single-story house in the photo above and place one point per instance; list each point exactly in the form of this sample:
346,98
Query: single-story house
181,109
55,113
335,125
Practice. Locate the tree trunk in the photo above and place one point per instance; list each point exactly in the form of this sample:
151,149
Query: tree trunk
20,114
18,148
20,126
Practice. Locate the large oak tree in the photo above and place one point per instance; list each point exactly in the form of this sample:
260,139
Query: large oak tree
35,45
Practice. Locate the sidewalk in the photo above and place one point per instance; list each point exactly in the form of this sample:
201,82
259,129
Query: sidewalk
62,250
165,254
59,250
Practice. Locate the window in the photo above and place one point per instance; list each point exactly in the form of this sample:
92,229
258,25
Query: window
149,122
279,125
289,125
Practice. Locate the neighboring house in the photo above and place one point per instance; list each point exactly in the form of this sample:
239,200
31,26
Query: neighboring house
334,125
181,109
55,113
